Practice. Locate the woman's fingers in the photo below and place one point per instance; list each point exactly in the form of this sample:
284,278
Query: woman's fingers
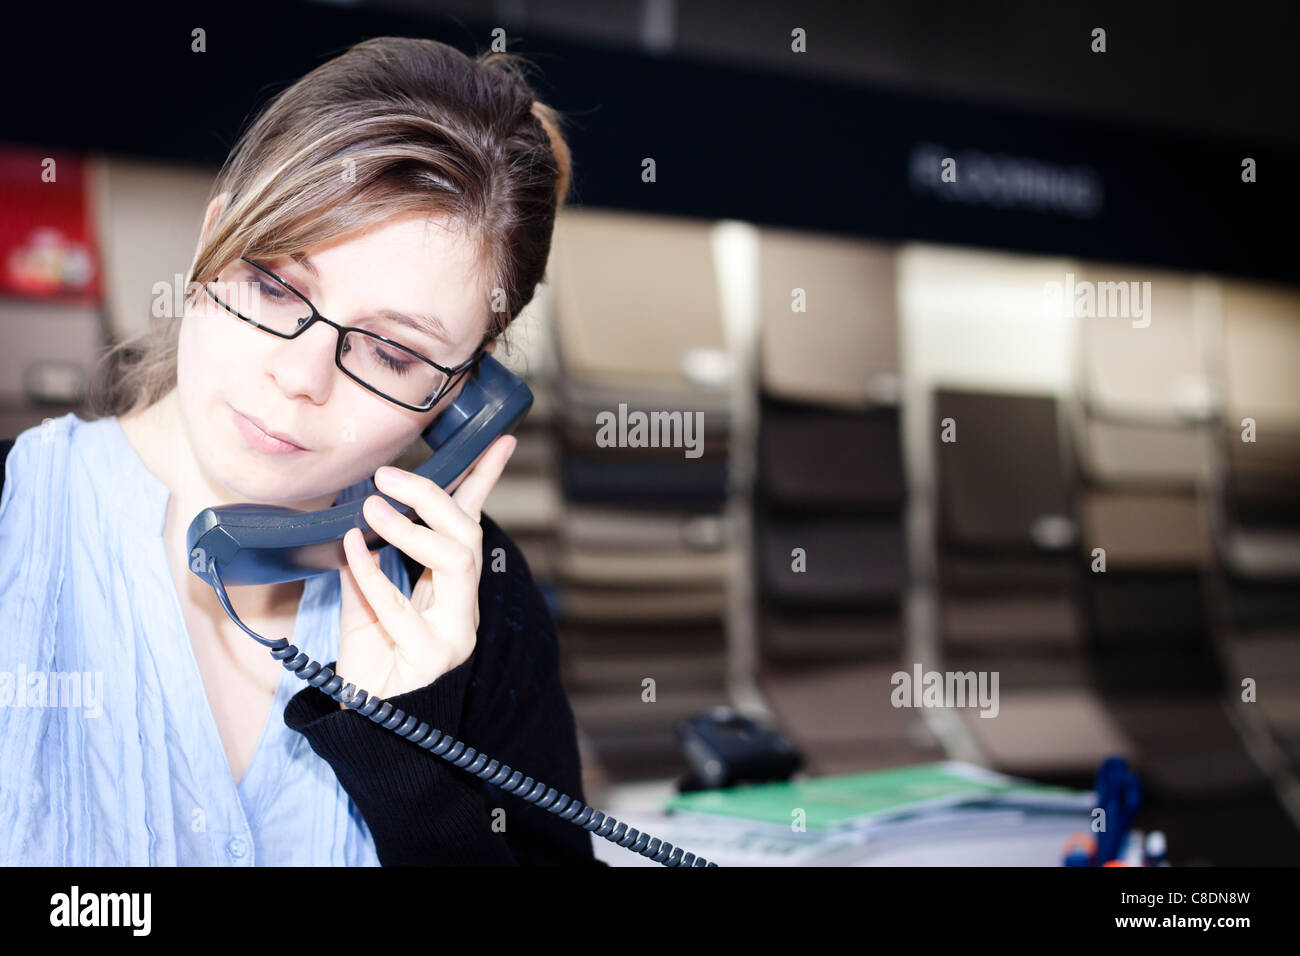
365,650
434,506
478,484
457,515
441,631
452,562
355,612
390,608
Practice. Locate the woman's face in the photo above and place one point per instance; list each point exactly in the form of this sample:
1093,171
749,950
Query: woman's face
229,371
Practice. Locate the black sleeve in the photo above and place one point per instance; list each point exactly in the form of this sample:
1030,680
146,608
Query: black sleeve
518,708
506,700
421,810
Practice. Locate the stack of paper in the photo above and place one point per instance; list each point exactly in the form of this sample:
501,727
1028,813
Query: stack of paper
945,813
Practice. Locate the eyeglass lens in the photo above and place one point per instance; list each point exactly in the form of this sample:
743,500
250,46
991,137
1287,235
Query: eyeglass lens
260,298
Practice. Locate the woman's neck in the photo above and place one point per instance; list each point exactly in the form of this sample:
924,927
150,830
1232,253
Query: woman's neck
159,437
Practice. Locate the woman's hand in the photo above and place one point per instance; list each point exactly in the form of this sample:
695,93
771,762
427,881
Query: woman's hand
389,644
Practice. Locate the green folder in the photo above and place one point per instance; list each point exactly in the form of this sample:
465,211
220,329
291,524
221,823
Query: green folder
836,801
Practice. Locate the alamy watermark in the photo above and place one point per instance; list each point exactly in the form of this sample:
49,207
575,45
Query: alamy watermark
1085,299
131,911
169,298
24,688
923,688
658,429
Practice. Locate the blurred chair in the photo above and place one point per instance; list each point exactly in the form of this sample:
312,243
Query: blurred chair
1008,581
829,324
1152,630
1155,372
1258,532
1147,442
642,557
830,559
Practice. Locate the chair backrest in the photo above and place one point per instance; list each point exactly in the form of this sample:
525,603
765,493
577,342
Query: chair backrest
1005,473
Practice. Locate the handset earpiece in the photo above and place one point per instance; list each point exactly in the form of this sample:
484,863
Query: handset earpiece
463,432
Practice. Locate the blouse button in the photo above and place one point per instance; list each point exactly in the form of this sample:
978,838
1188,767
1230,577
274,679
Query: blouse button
236,847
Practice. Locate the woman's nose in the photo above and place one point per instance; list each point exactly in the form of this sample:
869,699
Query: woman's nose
304,366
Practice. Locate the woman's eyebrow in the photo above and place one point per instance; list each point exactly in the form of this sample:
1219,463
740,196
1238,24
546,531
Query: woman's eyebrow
303,259
425,323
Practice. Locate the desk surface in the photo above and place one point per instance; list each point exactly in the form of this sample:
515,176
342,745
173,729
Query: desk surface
1007,840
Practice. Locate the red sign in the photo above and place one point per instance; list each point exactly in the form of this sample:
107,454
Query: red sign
47,236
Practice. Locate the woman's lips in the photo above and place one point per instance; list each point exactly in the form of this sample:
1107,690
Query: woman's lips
259,439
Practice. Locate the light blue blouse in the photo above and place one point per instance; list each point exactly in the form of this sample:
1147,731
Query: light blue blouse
109,751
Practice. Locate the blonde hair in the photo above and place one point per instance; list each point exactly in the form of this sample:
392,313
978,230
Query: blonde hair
393,126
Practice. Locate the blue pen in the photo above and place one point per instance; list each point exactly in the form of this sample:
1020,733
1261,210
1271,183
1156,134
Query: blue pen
1119,794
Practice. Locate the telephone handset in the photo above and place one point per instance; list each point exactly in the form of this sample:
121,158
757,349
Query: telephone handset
266,544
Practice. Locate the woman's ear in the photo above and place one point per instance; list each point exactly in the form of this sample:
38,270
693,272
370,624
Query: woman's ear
214,210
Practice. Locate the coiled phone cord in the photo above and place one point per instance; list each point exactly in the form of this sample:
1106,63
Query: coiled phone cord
454,751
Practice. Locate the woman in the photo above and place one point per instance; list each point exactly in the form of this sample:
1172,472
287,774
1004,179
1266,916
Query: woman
405,190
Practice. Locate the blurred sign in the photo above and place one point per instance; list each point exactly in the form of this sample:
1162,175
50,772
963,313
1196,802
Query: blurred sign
47,245
1005,181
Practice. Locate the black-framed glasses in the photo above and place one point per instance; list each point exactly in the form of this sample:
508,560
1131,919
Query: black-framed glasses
376,358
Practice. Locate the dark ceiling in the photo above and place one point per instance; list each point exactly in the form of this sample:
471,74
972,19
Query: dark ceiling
743,127
1223,69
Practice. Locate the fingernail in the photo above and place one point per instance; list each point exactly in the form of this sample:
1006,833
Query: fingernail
390,477
384,511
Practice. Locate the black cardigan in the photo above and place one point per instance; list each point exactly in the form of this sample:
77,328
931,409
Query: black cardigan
507,701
